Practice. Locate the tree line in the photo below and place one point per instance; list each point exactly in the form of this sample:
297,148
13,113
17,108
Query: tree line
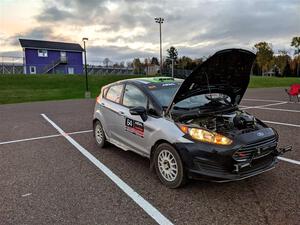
280,63
268,62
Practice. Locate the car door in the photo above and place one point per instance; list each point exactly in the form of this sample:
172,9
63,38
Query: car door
133,130
110,109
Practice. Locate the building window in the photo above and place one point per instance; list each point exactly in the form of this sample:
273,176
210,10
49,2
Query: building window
32,69
42,53
63,57
70,70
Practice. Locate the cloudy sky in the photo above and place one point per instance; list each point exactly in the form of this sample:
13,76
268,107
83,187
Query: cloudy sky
124,29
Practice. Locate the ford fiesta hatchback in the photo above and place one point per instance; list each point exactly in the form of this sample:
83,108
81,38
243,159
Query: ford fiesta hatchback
190,128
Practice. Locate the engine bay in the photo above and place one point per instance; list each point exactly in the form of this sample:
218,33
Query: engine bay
236,122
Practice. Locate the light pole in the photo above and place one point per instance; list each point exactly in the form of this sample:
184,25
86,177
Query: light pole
160,21
87,94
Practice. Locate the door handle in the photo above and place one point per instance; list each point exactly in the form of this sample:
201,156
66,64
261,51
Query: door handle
102,103
121,113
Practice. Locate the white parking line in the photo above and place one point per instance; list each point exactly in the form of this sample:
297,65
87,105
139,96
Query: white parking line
43,137
144,204
289,160
260,100
277,109
284,124
262,106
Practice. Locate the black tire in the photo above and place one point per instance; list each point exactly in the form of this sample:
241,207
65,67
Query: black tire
99,134
165,166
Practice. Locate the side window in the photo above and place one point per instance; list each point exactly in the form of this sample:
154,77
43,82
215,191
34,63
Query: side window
134,97
151,110
114,93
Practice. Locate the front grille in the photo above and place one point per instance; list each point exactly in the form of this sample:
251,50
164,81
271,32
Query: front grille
209,166
257,165
255,150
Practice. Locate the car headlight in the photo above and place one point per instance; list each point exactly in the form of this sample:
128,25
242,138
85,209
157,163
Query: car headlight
205,135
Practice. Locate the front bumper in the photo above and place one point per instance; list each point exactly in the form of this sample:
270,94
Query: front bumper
216,163
220,173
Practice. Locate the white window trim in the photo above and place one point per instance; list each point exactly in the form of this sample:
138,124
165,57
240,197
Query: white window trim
32,67
42,53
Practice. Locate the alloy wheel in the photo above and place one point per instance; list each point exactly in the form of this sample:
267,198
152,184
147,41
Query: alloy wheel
167,165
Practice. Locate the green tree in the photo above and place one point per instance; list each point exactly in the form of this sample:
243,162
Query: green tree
184,62
281,60
172,53
264,55
187,63
154,61
287,70
296,44
137,66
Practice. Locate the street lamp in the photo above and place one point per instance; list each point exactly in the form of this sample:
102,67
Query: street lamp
87,93
160,21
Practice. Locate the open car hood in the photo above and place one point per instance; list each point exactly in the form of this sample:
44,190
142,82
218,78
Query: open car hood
227,71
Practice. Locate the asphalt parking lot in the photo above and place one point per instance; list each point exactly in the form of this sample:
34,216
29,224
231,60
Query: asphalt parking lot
51,172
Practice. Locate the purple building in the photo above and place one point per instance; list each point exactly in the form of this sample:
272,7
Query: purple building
42,57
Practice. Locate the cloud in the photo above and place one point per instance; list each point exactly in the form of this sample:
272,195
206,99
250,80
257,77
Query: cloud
96,54
75,11
54,14
39,33
117,28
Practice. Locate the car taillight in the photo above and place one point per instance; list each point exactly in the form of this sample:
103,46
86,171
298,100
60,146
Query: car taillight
98,99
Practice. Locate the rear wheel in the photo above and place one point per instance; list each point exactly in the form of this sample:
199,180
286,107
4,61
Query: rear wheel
168,166
99,134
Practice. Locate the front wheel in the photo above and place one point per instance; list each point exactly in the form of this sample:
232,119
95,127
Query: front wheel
168,166
99,134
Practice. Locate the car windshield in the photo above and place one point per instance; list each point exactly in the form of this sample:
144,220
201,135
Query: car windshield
164,95
213,100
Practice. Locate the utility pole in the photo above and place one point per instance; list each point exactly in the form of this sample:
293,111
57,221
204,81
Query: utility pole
173,68
87,93
160,20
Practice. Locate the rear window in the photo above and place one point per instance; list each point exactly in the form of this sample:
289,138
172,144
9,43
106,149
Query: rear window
114,93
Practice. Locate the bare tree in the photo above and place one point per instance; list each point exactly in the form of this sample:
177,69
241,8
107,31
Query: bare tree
106,62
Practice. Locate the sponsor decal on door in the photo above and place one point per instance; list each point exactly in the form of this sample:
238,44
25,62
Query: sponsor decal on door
134,127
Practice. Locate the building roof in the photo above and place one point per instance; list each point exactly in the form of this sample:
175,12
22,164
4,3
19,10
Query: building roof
27,43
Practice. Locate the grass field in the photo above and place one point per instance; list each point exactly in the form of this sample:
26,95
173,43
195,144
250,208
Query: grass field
21,88
265,82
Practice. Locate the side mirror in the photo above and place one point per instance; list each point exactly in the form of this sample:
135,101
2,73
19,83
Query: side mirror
139,110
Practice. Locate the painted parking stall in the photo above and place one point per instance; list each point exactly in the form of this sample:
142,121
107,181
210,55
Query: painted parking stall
145,205
40,169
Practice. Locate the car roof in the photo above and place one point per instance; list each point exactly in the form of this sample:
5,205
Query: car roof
146,81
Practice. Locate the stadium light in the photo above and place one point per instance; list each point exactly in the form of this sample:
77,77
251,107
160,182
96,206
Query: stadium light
160,20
